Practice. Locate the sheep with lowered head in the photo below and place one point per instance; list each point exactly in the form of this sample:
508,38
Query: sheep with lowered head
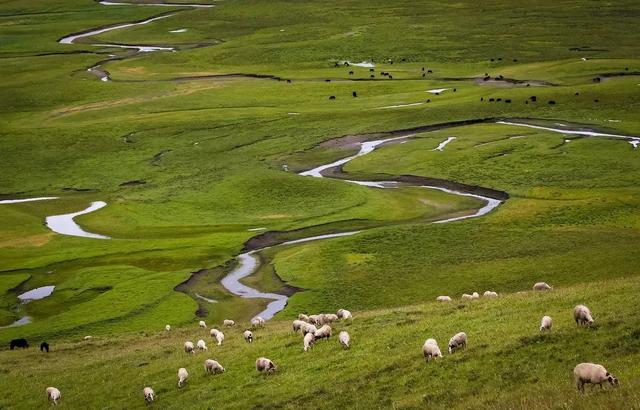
314,319
202,324
490,294
167,327
213,332
53,394
308,328
591,373
344,314
182,376
188,347
303,317
430,349
323,333
297,324
220,338
148,394
257,321
229,322
546,323
443,299
582,315
328,318
248,336
308,341
202,345
458,340
265,365
212,366
541,286
344,339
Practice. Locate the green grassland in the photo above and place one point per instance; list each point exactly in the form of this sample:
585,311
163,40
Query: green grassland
189,160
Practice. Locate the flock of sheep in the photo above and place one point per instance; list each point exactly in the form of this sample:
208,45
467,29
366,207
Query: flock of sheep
317,327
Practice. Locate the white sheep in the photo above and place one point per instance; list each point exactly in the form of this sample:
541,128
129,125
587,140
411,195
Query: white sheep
344,339
53,394
229,322
257,321
546,323
475,295
248,336
182,376
188,347
591,373
87,338
466,296
148,394
297,324
541,286
308,341
202,324
490,294
265,365
213,332
202,345
458,340
314,319
220,338
443,299
328,318
323,333
582,315
344,314
431,350
211,366
308,328
303,317
167,327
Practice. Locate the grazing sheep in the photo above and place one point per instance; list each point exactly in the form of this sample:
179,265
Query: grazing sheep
458,340
53,394
541,286
443,299
202,324
257,321
315,319
248,336
182,376
148,394
430,349
490,294
323,333
202,345
265,365
213,332
87,338
546,323
344,339
220,338
308,328
344,314
188,347
167,328
475,295
308,341
297,325
228,323
328,318
591,373
211,366
44,347
466,296
19,343
582,315
303,317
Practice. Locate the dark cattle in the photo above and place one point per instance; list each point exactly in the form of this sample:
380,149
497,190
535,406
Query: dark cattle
499,58
487,78
289,81
626,69
390,77
501,77
44,347
576,94
486,74
327,80
422,68
551,102
491,100
350,72
333,97
372,76
481,98
346,63
429,71
508,101
528,85
424,75
336,64
19,343
596,80
533,98
371,70
354,94
429,100
493,59
403,59
526,101
454,90
515,60
437,93
596,100
391,62
498,99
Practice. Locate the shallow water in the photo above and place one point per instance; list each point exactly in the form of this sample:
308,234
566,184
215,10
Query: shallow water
443,144
37,293
18,201
73,37
65,225
20,322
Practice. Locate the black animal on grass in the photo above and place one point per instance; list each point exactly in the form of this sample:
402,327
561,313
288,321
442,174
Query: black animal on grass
333,97
528,85
350,72
487,78
481,98
508,101
390,77
429,71
429,100
327,80
551,102
371,70
533,98
289,81
498,99
491,100
422,68
454,90
336,64
355,94
19,343
596,80
44,347
596,100
424,75
576,94
372,76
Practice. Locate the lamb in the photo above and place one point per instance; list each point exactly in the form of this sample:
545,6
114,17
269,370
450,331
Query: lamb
431,350
257,321
53,394
202,345
188,347
308,341
297,325
582,315
591,373
546,323
344,339
490,294
220,338
303,317
443,299
458,340
344,314
211,366
167,328
182,376
148,394
323,333
308,328
541,286
202,324
248,336
265,365
229,323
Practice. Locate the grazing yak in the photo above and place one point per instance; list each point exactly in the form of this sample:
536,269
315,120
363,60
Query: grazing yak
19,343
